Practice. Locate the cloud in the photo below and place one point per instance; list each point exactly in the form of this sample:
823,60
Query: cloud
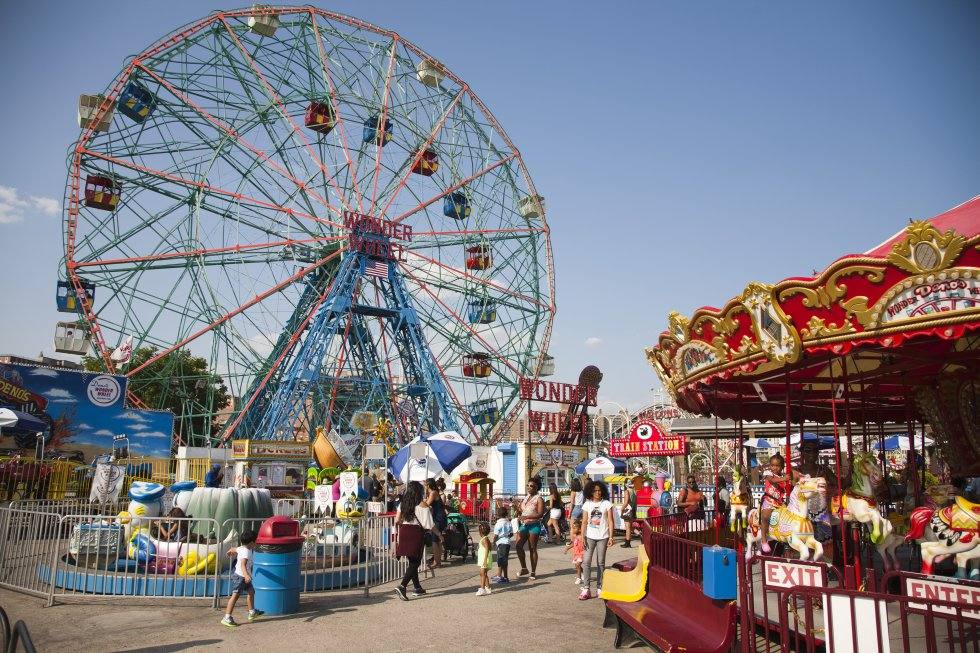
138,427
83,426
59,396
43,371
13,207
151,434
136,418
104,433
592,342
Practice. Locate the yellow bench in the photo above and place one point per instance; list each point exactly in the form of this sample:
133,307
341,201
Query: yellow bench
627,586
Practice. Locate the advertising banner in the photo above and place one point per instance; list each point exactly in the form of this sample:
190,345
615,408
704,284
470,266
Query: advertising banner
83,412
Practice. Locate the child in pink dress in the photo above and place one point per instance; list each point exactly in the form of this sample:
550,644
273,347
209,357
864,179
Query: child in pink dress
577,545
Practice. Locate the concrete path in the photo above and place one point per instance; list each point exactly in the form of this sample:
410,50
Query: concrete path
542,615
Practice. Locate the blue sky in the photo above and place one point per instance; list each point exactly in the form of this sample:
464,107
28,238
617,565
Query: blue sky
684,148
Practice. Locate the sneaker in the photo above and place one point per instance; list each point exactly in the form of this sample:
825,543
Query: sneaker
504,580
496,580
480,592
532,577
417,593
585,595
626,544
400,591
765,548
255,614
229,621
487,591
578,580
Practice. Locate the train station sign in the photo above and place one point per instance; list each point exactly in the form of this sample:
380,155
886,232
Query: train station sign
648,438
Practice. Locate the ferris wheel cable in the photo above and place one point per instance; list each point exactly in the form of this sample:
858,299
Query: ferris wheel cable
468,277
239,309
282,109
460,320
208,251
476,232
423,148
207,187
453,188
382,123
324,66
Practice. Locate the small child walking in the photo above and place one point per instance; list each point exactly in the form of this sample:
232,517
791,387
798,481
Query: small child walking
241,581
484,559
502,532
577,546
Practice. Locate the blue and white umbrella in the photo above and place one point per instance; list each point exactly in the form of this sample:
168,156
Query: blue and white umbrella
601,465
901,443
825,441
444,452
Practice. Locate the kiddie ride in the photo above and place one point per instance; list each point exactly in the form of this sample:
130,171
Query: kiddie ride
888,337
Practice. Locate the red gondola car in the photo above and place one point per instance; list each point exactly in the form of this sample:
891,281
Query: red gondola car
477,365
479,257
320,117
101,192
427,164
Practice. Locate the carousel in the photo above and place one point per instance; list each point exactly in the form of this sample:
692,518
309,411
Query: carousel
882,341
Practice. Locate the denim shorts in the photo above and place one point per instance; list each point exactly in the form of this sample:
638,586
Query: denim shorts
503,551
576,513
239,584
534,528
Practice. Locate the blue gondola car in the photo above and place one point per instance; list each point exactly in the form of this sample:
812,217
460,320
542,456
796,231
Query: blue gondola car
67,300
484,412
456,205
136,102
372,133
482,311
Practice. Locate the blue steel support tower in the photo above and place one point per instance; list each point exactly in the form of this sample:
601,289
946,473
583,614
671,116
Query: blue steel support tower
364,332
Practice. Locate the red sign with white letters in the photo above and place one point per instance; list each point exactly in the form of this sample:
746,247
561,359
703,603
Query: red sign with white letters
647,438
783,574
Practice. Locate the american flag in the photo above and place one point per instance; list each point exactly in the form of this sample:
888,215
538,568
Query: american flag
377,269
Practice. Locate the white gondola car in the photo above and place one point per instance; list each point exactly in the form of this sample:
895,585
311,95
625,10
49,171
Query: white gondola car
88,107
264,24
547,365
531,207
71,338
430,72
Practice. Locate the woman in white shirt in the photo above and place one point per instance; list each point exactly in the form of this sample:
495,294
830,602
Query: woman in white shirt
597,525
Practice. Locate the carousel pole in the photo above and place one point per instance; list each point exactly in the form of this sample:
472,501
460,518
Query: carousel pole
910,466
847,417
840,491
714,477
789,427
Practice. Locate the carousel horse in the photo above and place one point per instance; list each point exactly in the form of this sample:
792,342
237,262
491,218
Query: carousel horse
791,523
950,531
741,499
858,501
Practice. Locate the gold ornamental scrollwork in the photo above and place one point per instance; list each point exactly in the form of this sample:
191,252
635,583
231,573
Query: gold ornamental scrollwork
818,328
926,249
723,326
774,332
826,294
677,326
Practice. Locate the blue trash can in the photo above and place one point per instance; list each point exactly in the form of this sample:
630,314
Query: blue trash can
718,571
276,566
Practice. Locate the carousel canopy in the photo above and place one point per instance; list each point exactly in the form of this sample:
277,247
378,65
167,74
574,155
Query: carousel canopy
892,335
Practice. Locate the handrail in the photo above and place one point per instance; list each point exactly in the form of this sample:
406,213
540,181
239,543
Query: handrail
20,634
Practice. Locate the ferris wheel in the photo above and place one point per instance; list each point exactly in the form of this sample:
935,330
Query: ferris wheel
321,210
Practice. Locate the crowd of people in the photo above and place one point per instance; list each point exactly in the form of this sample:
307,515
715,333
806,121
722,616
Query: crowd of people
587,532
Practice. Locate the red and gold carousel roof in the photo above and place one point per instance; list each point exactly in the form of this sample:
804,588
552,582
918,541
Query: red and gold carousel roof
891,324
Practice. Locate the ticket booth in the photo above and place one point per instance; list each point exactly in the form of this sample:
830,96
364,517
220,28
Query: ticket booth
277,466
475,492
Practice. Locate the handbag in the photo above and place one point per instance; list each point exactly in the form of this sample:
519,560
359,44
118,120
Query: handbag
409,542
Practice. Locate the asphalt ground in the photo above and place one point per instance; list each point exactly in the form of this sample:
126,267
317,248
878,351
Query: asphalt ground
542,615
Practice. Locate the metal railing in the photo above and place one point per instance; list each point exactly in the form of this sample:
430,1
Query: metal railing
19,634
59,554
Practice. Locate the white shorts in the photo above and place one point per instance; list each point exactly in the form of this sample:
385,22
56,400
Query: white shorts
556,513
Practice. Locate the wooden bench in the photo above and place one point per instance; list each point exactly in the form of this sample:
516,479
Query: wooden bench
673,615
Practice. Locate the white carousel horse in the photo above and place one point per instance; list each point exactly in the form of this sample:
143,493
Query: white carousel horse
950,531
741,499
790,524
858,503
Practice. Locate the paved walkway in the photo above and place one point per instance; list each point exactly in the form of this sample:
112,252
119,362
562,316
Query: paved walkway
539,615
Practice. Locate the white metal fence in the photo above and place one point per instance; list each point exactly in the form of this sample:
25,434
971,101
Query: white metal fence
60,554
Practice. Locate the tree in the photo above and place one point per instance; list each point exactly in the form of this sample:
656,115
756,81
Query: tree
179,382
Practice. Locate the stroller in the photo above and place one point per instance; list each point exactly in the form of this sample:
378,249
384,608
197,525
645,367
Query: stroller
456,538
